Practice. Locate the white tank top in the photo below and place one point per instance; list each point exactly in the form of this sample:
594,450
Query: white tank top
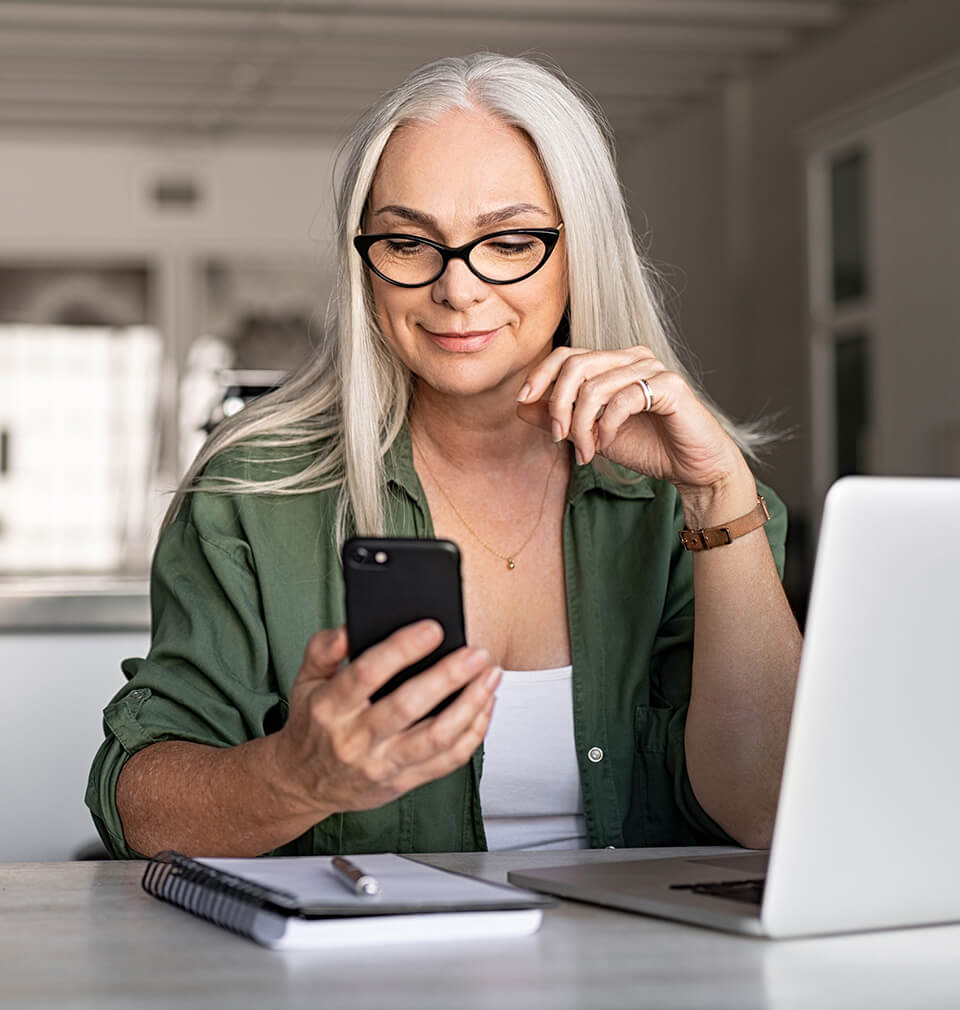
530,786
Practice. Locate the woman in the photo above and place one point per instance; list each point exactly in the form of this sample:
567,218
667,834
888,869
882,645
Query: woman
498,374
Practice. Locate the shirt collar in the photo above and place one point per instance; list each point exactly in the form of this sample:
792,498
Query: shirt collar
398,464
621,482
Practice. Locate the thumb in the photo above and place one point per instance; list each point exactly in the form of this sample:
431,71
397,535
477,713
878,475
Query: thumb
325,651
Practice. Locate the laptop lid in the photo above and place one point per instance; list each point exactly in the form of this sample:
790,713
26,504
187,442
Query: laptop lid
867,826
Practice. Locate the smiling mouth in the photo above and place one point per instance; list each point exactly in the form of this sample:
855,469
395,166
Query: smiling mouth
463,341
464,334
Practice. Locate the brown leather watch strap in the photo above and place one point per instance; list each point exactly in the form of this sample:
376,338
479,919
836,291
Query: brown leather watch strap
717,536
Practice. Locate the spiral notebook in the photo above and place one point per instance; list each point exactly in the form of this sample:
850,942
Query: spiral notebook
296,902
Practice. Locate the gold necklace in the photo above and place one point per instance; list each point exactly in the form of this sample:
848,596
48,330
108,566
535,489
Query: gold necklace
509,558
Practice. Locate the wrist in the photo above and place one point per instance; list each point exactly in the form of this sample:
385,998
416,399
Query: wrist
707,505
292,797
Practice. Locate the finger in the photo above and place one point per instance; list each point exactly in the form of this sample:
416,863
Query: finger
589,416
573,374
325,651
446,761
567,387
626,403
537,414
540,378
665,391
436,735
418,696
354,683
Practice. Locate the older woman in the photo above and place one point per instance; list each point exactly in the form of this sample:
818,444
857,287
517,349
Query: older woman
498,374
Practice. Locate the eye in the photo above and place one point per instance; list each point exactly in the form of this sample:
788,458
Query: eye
404,246
505,247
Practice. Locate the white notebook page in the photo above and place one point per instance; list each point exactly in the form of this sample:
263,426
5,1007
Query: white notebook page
313,882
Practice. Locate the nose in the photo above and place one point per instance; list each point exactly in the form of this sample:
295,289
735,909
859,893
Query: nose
458,287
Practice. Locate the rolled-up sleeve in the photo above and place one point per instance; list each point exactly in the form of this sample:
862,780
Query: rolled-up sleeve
207,678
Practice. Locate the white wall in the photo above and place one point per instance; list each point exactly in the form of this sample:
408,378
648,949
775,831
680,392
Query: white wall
55,686
89,195
743,309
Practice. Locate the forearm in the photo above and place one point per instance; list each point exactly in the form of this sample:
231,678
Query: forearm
745,660
210,801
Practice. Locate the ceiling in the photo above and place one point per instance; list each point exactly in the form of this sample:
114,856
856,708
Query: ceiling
299,70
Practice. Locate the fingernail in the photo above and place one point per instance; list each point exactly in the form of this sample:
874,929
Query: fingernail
478,658
428,630
557,428
493,678
579,456
524,393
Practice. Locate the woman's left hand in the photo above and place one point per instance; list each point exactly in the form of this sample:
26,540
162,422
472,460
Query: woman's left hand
594,399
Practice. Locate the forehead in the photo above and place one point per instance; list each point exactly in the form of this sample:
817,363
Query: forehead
464,163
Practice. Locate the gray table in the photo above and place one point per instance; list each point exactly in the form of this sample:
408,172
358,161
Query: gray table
83,935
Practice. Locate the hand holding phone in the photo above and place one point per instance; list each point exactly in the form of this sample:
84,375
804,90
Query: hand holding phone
337,751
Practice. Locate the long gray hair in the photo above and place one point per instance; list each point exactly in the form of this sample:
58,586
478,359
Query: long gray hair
342,411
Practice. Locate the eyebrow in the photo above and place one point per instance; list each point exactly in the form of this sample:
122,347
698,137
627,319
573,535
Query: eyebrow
481,221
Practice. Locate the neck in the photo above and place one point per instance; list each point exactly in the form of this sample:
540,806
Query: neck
464,431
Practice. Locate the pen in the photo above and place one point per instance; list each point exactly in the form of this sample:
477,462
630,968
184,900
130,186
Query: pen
359,882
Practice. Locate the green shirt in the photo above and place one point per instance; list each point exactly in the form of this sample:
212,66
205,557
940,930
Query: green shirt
240,582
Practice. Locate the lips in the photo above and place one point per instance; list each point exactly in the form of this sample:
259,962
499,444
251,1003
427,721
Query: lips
459,334
462,341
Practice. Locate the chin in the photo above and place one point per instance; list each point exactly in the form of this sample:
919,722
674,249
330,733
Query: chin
463,378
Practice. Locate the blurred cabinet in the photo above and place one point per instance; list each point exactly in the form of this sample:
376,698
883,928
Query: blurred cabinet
55,685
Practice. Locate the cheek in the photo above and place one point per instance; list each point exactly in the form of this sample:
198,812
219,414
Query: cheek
391,305
396,309
553,291
545,305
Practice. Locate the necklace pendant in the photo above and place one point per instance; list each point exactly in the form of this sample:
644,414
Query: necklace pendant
511,564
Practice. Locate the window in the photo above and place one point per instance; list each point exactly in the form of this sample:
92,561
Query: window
102,408
848,216
851,390
851,337
79,381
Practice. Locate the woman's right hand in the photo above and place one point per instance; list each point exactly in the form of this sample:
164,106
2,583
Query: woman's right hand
338,751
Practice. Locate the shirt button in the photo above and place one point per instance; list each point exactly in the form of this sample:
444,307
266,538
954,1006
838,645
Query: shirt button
595,754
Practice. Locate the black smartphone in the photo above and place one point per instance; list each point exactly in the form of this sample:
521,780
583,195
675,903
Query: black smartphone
391,582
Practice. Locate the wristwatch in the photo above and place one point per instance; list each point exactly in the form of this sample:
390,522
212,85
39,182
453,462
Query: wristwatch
717,536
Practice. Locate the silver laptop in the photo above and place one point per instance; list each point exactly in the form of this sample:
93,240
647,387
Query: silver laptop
868,824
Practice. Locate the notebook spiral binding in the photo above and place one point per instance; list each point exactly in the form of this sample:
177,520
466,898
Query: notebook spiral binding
219,897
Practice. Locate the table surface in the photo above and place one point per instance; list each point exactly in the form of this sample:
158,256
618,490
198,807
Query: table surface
84,935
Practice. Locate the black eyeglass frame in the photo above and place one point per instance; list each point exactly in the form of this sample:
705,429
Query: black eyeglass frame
549,237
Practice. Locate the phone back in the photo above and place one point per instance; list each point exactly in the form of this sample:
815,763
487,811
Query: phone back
391,582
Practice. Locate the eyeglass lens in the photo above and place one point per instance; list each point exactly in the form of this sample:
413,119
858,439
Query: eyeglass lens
502,258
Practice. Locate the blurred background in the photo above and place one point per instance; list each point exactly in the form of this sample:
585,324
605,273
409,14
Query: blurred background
166,254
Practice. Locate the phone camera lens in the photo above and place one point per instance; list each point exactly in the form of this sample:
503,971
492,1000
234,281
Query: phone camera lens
360,554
